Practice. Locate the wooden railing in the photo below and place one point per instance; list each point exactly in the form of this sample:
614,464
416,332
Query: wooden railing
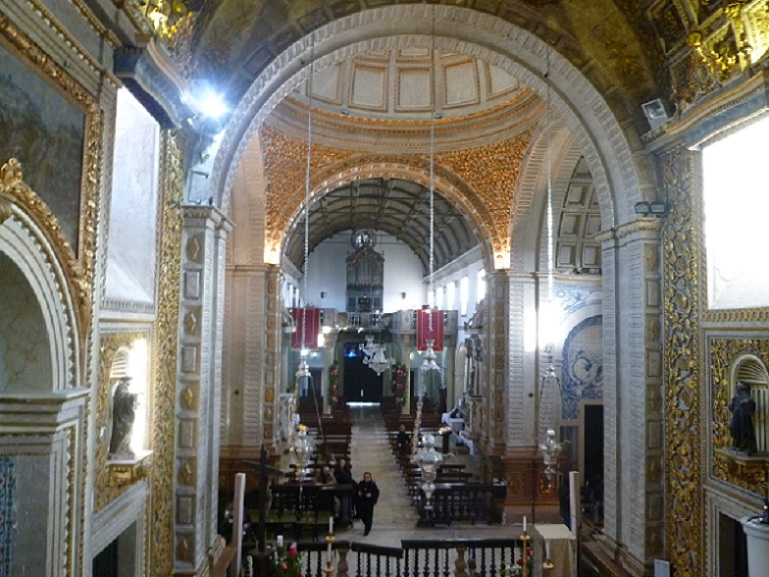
462,502
414,558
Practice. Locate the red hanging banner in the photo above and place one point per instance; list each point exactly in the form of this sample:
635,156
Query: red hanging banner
307,323
429,327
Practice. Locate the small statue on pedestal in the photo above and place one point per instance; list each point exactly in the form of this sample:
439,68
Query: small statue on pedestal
123,415
741,427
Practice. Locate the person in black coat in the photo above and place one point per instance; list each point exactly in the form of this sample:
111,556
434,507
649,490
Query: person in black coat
368,494
403,441
344,477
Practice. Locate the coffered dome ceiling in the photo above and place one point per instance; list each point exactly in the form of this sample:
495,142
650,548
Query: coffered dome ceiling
382,103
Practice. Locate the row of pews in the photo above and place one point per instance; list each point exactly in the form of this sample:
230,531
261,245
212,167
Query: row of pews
460,495
301,503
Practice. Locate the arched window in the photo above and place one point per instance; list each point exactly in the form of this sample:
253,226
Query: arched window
131,363
751,370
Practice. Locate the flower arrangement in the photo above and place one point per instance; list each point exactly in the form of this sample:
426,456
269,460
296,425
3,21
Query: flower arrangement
516,569
288,562
399,383
333,383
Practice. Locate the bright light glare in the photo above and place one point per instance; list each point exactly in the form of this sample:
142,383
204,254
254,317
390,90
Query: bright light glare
736,205
212,105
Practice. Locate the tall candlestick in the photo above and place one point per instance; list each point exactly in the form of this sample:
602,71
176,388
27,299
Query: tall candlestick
547,548
280,541
524,523
331,525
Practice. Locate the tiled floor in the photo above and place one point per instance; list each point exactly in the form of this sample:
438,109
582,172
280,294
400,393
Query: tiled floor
394,517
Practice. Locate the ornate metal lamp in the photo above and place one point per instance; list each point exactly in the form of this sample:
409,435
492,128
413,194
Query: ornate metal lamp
302,448
550,448
378,361
428,460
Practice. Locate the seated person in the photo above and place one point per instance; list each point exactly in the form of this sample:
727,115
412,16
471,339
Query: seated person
326,477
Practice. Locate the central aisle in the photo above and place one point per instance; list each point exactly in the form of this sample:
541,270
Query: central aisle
394,517
370,451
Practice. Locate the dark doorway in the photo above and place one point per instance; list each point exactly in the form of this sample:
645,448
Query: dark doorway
592,489
361,384
105,563
732,547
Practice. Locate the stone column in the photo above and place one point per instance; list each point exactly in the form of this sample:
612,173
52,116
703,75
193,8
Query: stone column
329,355
267,345
198,387
495,362
633,484
523,464
405,344
42,466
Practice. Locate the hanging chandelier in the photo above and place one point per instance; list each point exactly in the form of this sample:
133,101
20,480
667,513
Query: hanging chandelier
428,360
375,356
369,348
378,361
429,363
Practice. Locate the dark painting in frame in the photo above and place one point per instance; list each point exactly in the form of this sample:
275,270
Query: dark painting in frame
45,131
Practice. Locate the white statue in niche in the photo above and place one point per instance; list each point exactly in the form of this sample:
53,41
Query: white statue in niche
123,415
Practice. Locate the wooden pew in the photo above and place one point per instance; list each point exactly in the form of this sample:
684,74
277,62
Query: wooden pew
462,502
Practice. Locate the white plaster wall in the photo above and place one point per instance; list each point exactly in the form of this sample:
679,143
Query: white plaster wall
328,273
132,252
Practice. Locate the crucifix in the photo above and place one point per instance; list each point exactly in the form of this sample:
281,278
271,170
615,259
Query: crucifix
264,471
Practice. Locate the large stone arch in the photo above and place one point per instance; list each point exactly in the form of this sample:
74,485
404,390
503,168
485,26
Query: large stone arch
446,185
607,146
37,254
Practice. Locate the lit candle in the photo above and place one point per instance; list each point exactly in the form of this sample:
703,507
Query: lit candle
280,540
547,548
524,523
331,525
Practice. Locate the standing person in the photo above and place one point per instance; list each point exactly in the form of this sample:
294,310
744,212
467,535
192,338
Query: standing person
403,441
368,494
344,477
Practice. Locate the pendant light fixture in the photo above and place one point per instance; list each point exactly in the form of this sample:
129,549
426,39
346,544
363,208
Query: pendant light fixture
429,363
425,318
551,448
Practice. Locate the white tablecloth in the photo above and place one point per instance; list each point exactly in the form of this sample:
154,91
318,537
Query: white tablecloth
563,549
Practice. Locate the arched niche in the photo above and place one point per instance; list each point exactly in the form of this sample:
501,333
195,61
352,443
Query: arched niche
25,364
40,263
751,370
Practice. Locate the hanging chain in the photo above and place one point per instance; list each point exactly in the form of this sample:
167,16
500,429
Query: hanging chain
548,138
307,191
431,286
433,98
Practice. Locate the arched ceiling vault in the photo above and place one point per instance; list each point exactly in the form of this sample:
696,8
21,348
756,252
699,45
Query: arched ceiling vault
483,164
396,206
233,41
351,190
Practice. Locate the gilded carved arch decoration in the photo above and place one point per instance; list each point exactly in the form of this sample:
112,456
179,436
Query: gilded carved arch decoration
31,236
474,180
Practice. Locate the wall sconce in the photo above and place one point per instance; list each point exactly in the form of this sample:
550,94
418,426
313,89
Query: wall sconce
322,294
657,208
403,296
